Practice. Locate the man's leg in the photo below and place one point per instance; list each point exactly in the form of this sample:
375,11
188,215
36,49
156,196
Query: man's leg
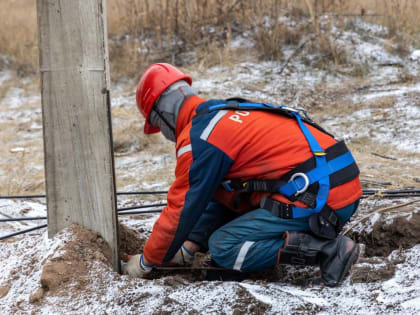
255,241
215,216
252,241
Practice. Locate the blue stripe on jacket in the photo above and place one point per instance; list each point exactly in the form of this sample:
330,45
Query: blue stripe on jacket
208,169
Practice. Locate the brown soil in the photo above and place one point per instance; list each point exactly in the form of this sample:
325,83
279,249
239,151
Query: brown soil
131,241
4,290
70,272
400,233
37,295
247,303
372,269
77,258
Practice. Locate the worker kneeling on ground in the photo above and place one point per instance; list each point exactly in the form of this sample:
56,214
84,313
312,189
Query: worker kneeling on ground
256,184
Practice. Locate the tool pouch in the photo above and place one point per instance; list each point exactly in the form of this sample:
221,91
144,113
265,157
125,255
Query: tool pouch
325,224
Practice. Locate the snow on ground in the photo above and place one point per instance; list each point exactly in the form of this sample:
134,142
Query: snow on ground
114,294
382,127
18,209
380,105
4,76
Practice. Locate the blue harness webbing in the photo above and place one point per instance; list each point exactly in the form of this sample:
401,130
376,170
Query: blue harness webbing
320,174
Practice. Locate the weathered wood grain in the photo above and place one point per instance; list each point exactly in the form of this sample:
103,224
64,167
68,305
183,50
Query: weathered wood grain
76,117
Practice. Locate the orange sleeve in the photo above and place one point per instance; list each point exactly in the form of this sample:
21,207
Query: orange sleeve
165,227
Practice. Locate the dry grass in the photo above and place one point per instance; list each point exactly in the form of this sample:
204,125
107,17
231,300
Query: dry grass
186,32
146,31
400,173
20,171
129,137
18,35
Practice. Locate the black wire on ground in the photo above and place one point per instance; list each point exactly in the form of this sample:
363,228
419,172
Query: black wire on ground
120,213
391,196
23,232
123,193
142,207
23,197
390,192
23,219
160,192
126,211
45,225
141,212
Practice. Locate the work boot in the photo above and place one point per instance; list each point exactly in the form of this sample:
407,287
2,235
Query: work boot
335,257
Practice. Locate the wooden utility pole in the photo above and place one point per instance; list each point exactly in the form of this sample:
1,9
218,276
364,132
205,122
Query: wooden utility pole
75,84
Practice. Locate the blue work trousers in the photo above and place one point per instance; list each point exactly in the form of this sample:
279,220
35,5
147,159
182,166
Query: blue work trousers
251,242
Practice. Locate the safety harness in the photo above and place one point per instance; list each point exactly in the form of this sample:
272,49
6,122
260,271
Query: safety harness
309,182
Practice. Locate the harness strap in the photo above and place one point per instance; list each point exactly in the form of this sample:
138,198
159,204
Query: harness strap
299,182
316,174
337,177
325,224
236,104
320,172
279,209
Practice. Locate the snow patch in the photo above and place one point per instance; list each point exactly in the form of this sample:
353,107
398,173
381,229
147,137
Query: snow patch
415,55
16,150
4,75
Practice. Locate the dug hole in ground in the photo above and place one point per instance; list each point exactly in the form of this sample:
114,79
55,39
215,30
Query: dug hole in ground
377,112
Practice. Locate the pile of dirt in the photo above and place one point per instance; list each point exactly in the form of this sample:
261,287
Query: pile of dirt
372,269
388,235
4,290
72,263
69,271
131,241
247,303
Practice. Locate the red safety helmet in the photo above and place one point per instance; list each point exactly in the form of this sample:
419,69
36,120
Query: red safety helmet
154,81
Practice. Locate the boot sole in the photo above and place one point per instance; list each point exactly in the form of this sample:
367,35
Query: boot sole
353,258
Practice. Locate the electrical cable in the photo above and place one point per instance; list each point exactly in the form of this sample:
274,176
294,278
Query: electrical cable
23,197
23,231
142,207
23,219
45,225
122,193
391,195
161,192
158,192
392,192
141,212
121,211
395,193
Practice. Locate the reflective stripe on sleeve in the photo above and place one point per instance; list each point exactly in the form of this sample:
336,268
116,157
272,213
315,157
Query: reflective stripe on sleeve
242,254
183,150
206,132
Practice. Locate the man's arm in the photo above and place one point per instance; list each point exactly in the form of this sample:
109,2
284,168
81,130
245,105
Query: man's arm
215,216
198,173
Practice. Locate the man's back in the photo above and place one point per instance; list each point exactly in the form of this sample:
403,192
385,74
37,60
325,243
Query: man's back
264,145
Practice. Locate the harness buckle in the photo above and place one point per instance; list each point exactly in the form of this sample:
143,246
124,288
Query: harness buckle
226,185
305,178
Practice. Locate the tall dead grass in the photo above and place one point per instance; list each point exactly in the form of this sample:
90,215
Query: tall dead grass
18,36
145,31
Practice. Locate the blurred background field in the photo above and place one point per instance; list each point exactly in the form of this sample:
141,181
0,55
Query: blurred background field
199,32
309,53
231,47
